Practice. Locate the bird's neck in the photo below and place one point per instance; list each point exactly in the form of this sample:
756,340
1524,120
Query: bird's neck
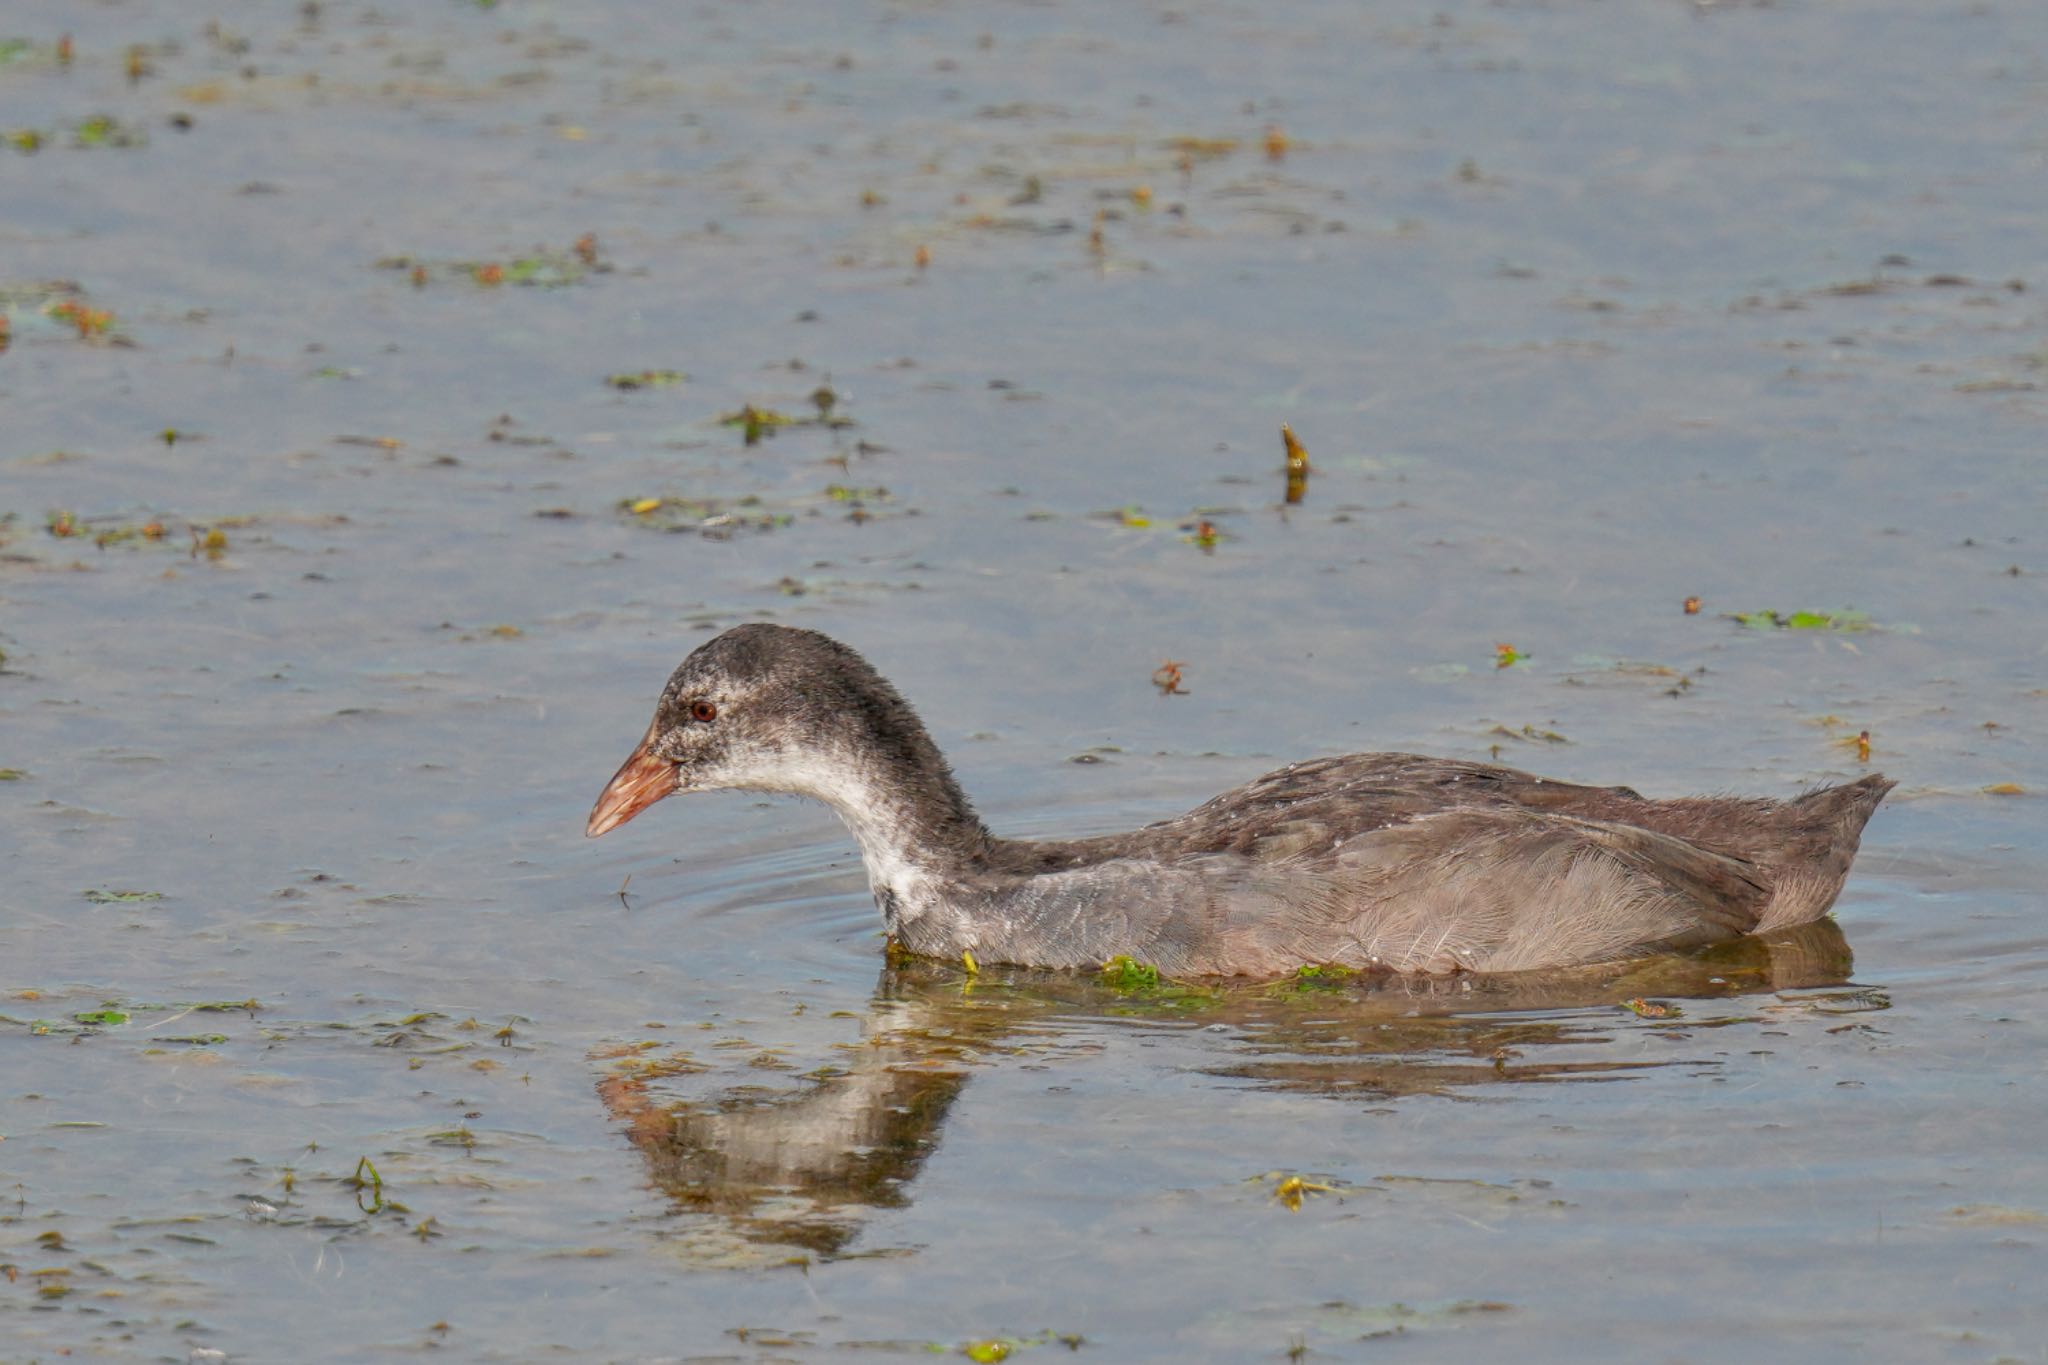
918,833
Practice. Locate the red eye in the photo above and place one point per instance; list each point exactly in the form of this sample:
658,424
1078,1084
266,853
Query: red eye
703,711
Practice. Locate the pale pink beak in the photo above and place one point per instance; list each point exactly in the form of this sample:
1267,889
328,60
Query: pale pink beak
643,779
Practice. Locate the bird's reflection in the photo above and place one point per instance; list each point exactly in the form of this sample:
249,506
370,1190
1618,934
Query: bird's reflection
799,1169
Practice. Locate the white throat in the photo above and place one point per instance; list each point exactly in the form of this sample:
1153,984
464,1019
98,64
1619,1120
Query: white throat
877,822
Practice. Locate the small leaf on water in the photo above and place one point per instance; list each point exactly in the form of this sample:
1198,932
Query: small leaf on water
101,1017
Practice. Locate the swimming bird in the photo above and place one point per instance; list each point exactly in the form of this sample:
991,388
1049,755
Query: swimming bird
1375,862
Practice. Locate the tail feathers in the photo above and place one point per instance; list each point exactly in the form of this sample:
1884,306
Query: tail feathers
1846,808
1808,871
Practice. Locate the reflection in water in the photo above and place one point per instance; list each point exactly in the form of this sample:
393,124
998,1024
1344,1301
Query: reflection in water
800,1168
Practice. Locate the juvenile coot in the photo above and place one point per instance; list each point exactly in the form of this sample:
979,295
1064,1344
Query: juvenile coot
1378,862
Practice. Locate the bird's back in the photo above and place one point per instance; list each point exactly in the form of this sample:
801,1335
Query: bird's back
1410,863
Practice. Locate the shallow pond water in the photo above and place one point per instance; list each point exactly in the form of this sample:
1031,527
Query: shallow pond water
364,471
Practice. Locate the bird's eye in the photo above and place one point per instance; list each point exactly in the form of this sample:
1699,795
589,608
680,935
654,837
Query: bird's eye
703,711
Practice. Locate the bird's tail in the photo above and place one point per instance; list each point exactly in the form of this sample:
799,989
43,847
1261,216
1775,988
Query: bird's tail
1810,867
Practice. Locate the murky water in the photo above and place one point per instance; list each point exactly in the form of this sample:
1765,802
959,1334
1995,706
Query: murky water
324,1032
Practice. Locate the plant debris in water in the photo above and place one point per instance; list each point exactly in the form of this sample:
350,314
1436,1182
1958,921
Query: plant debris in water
1844,620
1123,973
756,423
1292,1190
710,517
544,267
987,1350
1324,976
1529,733
1297,464
646,379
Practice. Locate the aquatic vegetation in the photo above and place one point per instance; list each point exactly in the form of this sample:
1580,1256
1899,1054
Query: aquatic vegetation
366,1179
117,1014
988,1350
1293,1190
99,130
754,423
543,268
715,518
1121,973
646,379
93,324
1319,976
103,130
1529,733
1845,620
1297,464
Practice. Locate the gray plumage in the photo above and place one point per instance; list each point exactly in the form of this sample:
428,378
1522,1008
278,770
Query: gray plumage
1388,862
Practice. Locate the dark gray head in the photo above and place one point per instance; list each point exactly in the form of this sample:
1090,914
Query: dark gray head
776,709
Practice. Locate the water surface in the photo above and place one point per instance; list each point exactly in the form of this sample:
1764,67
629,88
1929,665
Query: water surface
1581,311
